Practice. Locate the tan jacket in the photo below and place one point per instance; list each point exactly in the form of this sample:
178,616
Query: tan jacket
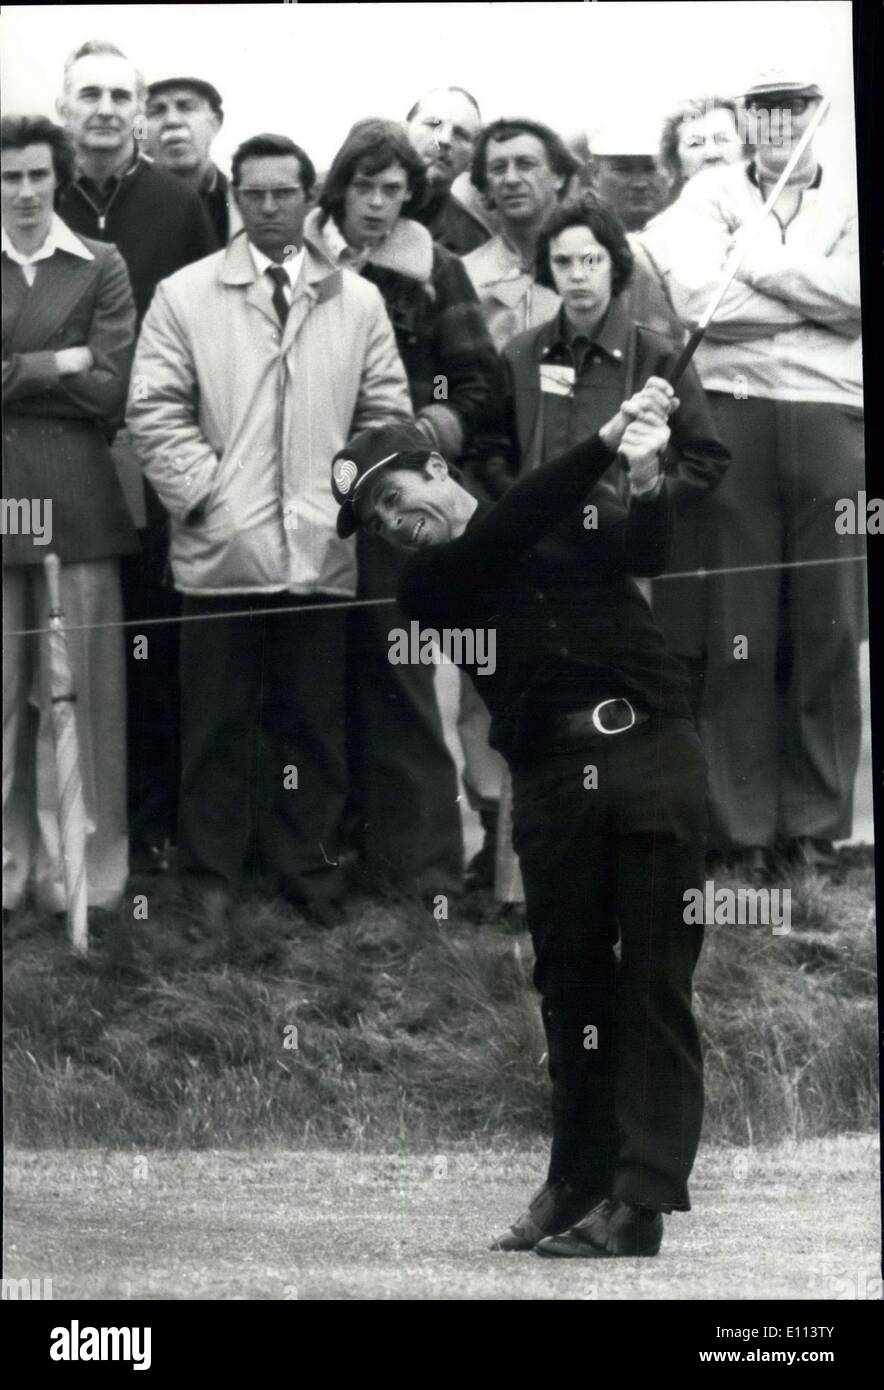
466,194
511,299
513,302
228,412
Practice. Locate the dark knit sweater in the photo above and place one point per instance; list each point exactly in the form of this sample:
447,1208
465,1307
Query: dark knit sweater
156,223
450,225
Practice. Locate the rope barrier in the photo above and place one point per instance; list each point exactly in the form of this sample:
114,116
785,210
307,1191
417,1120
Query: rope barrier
755,569
209,617
379,602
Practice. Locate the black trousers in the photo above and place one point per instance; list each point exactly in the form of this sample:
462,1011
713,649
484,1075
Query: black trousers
152,693
404,794
602,865
263,746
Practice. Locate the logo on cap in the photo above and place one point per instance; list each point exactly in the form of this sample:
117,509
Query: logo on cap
345,474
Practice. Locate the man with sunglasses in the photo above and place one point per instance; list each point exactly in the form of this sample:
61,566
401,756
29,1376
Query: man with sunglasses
782,367
252,369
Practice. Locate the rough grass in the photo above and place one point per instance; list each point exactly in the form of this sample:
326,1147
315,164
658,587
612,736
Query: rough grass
410,1032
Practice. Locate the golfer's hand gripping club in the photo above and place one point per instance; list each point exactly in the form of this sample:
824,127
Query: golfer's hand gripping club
640,432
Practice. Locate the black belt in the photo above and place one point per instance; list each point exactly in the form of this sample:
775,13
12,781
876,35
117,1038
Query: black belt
594,724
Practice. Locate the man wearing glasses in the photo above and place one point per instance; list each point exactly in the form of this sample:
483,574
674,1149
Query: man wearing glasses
252,370
782,366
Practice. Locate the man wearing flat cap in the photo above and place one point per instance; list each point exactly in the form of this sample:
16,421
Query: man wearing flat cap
184,114
782,367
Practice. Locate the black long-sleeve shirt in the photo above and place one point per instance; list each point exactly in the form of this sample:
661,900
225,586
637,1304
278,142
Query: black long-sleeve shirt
571,626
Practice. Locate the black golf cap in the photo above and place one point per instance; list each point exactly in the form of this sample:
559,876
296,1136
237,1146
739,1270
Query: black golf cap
396,445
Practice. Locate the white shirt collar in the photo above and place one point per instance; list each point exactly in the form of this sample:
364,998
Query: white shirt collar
291,265
340,250
59,238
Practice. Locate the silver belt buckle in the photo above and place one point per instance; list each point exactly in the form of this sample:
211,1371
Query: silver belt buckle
597,724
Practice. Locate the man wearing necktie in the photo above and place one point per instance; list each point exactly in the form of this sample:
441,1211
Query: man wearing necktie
253,369
282,289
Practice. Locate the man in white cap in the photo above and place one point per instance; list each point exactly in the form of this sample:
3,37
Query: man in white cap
781,362
626,171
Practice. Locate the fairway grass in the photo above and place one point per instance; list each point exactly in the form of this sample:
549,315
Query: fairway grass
798,1220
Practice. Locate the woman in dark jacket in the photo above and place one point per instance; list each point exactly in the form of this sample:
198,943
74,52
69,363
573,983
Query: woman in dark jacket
565,378
68,339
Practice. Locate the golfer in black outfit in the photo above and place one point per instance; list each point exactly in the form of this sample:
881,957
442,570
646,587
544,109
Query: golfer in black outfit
609,790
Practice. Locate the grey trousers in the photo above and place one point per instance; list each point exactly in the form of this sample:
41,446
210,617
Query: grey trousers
779,710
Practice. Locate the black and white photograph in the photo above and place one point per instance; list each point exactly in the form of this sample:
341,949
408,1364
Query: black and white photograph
438,777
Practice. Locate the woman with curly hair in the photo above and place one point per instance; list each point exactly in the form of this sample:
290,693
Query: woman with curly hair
698,134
